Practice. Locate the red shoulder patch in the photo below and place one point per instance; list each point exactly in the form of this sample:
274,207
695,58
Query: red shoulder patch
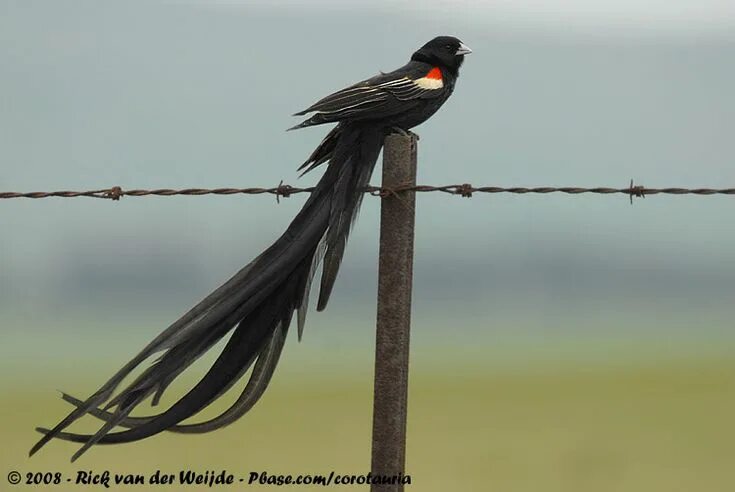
434,73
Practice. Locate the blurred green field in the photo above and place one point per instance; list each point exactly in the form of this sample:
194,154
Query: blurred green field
634,427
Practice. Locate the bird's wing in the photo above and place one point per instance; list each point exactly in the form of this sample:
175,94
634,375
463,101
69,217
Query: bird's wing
382,95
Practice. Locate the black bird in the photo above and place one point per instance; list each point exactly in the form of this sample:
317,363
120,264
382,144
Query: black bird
258,302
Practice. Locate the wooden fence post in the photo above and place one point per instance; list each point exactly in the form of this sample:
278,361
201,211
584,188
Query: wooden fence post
395,279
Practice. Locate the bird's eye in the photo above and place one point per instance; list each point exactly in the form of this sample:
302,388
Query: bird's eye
448,46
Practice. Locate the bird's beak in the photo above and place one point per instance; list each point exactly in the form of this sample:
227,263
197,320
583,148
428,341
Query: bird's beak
463,49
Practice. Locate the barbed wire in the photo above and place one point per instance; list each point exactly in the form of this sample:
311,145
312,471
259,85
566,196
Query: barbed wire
284,190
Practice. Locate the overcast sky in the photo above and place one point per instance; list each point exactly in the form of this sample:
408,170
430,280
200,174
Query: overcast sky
658,14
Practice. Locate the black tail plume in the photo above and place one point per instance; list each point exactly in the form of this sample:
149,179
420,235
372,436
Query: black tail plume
257,303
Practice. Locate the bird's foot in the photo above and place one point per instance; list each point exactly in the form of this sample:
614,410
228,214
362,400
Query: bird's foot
404,133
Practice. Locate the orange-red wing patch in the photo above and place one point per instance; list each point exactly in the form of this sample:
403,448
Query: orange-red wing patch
434,73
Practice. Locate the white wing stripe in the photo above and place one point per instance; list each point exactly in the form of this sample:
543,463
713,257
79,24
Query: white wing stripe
366,101
338,96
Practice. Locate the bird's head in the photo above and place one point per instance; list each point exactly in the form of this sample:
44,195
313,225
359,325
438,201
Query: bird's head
444,51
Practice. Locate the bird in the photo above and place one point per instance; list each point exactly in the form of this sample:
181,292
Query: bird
258,303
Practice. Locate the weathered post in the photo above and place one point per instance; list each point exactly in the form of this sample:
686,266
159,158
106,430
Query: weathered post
395,279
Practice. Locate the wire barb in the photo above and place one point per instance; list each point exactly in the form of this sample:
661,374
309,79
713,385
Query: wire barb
464,190
115,193
637,191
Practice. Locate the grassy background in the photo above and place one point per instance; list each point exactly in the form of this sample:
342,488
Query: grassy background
660,425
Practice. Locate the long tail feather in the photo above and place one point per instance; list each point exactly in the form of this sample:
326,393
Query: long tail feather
258,382
256,305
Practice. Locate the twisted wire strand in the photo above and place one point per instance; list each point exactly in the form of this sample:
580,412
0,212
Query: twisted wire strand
284,190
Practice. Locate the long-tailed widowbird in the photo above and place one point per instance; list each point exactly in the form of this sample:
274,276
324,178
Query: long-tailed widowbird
258,302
